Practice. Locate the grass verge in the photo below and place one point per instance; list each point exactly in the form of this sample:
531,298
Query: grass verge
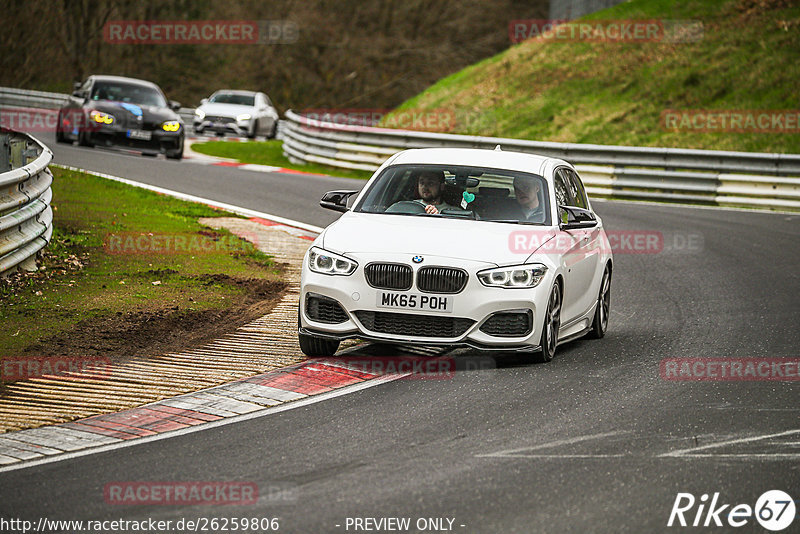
614,93
269,153
131,271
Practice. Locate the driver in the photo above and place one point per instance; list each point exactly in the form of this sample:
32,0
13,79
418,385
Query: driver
430,187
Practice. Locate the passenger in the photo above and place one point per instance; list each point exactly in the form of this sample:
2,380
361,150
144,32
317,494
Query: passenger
526,190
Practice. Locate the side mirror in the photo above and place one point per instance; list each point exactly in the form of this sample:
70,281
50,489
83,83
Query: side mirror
336,200
203,101
76,86
573,218
174,106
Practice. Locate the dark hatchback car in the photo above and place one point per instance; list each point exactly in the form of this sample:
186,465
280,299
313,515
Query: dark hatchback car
126,112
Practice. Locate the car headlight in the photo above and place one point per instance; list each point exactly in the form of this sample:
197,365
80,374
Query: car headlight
324,262
517,276
199,113
171,126
243,117
100,117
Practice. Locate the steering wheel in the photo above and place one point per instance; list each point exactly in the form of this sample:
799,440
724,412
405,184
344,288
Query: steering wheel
406,206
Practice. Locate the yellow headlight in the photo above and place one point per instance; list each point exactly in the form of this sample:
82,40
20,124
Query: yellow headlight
102,118
171,126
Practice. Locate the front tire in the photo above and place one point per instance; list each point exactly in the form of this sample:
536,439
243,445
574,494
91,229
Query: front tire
600,322
552,322
84,139
60,137
313,346
177,153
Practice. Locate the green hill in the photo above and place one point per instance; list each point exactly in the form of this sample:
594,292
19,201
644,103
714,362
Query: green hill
616,93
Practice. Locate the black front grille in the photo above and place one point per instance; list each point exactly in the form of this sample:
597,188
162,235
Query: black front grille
441,280
217,118
407,324
508,324
324,310
389,275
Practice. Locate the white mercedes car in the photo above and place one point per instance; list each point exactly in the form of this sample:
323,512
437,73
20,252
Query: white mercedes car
491,249
245,113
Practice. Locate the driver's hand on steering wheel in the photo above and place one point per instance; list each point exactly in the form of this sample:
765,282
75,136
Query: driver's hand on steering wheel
431,209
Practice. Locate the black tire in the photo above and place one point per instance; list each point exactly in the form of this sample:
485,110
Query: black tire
317,347
84,139
177,153
60,137
600,322
552,322
252,134
313,346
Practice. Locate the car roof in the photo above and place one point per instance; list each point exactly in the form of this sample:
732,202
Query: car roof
235,91
475,157
109,78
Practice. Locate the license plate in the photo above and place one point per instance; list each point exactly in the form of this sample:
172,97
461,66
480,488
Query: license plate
140,134
414,301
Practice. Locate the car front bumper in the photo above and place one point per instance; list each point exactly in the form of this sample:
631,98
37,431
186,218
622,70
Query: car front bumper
473,307
160,140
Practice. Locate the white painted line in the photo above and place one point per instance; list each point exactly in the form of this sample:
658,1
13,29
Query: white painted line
693,450
198,428
693,206
514,453
743,456
192,198
9,441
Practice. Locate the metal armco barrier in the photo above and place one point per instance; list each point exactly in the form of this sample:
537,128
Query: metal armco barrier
24,98
26,219
750,179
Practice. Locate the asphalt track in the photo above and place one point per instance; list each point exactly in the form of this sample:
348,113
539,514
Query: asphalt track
596,441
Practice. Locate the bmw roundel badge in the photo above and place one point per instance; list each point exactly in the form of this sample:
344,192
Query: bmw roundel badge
417,259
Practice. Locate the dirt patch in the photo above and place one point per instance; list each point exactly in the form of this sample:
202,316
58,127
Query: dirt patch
150,333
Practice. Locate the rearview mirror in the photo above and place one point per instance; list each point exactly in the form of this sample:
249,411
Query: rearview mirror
336,200
573,217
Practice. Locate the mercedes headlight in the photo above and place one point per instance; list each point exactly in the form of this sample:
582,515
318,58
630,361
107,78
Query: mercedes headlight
243,117
200,114
516,276
324,262
100,117
171,126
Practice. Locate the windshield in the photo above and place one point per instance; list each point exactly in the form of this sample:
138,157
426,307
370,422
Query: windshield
457,191
232,98
130,93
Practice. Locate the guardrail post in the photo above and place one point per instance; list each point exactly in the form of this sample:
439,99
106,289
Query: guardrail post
5,153
16,148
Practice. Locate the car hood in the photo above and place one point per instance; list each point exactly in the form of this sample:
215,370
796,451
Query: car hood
227,110
420,235
129,112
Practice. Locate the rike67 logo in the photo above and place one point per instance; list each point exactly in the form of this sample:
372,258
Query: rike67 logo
774,510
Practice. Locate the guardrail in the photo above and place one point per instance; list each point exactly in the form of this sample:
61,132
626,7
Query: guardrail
758,180
26,219
10,96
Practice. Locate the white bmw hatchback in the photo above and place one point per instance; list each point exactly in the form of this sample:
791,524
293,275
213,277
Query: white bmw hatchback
490,249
